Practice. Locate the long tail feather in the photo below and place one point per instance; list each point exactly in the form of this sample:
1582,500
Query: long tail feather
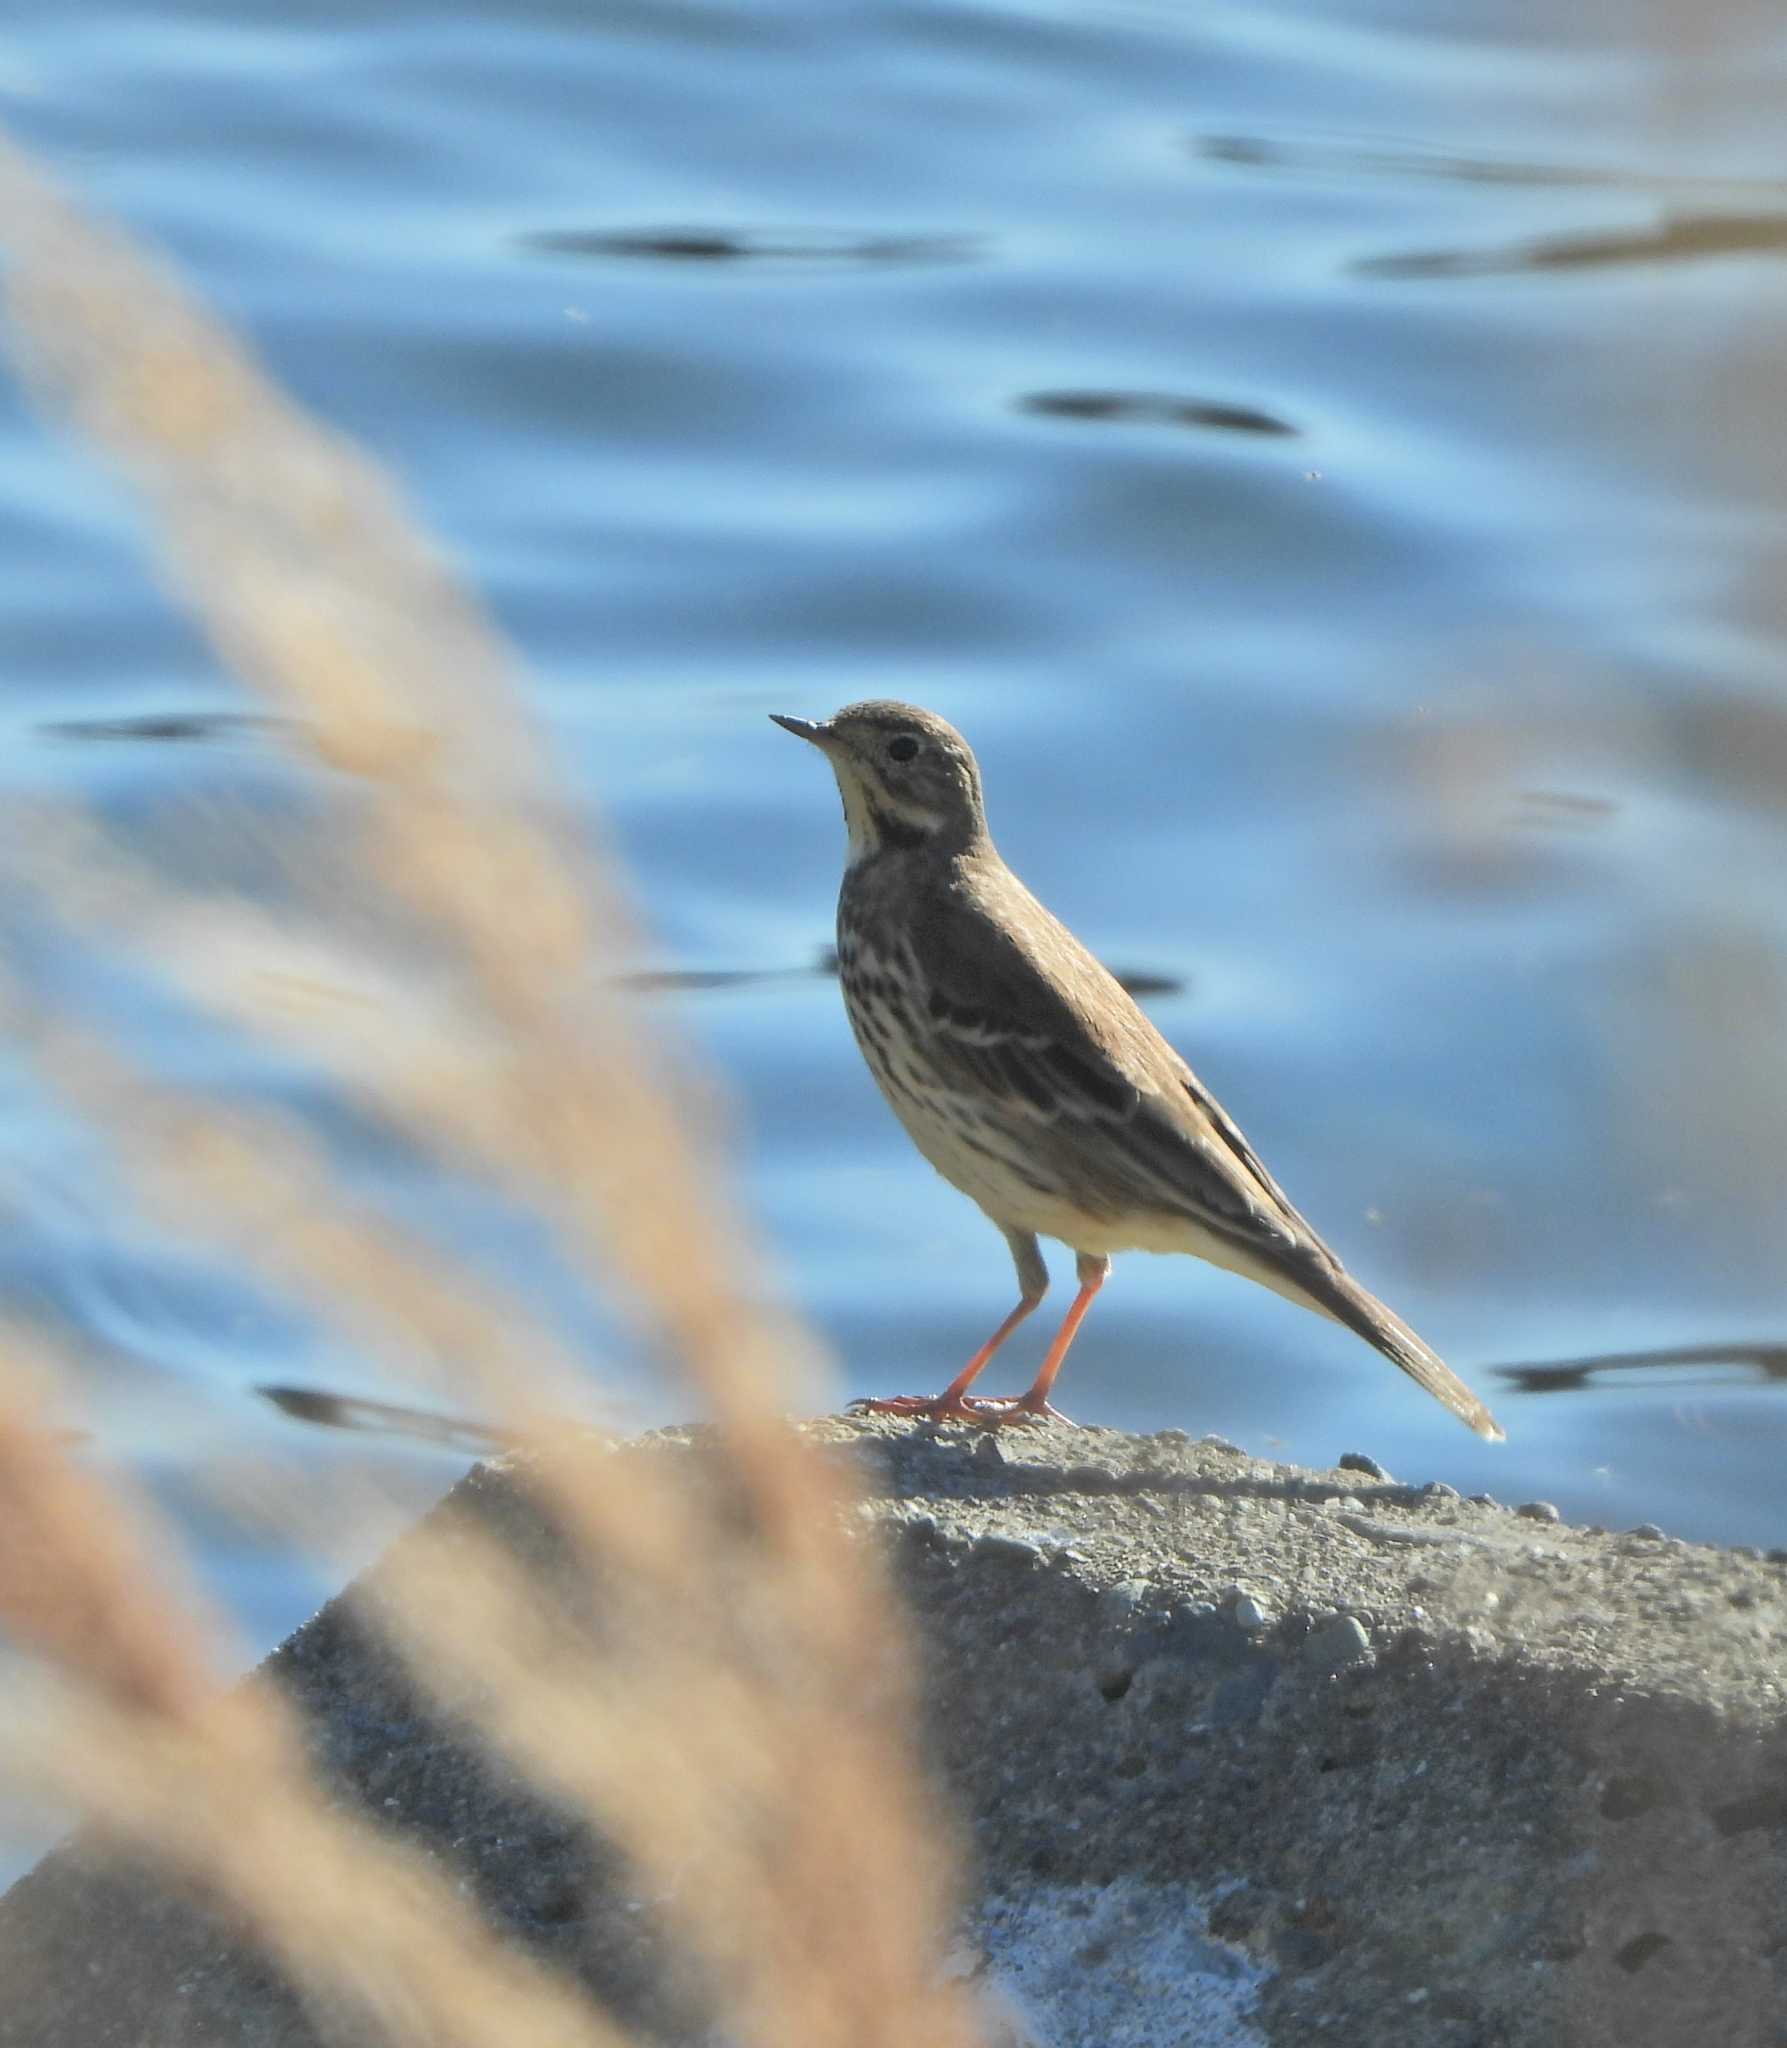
1347,1302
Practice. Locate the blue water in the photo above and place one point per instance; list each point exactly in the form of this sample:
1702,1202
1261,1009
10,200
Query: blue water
1327,458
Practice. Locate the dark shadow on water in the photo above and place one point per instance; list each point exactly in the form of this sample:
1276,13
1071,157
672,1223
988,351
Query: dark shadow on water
1142,985
1248,152
693,980
1705,217
183,728
1746,1364
1255,152
1138,981
1671,241
387,1418
1153,408
801,246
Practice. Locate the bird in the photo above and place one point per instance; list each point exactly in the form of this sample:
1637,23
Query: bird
1029,1078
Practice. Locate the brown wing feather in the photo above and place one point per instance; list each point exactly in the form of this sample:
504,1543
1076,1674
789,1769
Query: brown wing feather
1060,1042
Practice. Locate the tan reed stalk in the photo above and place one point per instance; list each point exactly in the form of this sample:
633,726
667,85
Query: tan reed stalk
745,1635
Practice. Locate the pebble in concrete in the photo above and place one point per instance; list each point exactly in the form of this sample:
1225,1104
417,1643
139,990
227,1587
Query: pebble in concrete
1338,1645
1251,1613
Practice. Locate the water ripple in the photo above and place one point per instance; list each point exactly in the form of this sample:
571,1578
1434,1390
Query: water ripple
1688,239
791,246
1154,408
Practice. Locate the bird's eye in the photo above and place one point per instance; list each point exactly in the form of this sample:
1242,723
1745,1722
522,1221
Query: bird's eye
902,747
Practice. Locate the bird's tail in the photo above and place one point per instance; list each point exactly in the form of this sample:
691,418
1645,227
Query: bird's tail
1347,1302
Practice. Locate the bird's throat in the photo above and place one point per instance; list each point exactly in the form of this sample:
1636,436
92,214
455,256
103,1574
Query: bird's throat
876,827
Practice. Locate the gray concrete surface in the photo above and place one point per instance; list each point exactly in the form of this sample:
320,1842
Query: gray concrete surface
1247,1753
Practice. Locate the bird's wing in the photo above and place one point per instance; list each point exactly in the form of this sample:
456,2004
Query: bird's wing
1038,1023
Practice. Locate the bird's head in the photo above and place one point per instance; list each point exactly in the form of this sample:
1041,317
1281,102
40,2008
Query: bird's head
907,777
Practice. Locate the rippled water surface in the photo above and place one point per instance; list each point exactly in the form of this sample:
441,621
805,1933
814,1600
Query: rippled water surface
1328,459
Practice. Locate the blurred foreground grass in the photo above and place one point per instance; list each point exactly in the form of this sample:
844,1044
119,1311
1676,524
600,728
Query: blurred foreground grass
744,1740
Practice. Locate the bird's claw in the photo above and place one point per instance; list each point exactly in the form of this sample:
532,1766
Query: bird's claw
1020,1408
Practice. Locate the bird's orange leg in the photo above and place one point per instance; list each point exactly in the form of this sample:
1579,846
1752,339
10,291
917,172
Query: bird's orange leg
1035,1406
953,1405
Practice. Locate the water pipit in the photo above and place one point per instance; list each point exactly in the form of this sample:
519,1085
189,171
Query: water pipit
1027,1077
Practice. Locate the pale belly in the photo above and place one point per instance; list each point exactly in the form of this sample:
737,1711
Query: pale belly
985,1155
985,1161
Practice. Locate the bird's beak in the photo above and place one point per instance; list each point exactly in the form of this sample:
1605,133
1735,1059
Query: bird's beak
804,728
